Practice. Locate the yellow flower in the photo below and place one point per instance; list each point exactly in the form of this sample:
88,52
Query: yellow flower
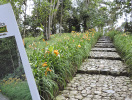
79,46
73,32
0,90
43,39
56,52
10,78
44,64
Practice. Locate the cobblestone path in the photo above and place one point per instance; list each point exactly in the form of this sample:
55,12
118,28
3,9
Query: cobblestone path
103,76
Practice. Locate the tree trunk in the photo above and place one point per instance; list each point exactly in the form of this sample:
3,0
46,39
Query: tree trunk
48,35
24,28
57,6
61,17
85,25
45,31
49,22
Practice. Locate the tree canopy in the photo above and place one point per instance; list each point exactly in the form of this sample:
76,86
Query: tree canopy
59,16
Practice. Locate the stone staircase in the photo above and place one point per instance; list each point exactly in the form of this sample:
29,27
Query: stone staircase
103,76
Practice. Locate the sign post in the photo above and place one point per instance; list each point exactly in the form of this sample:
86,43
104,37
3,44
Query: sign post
8,30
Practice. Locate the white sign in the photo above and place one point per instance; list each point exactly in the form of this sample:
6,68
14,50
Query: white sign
9,29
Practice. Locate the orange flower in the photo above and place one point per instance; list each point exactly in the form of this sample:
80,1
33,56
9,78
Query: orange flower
45,73
47,69
73,40
44,64
47,52
30,46
79,46
43,39
23,42
56,52
46,43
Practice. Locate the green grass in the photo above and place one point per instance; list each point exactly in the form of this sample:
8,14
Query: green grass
123,44
16,90
61,66
40,43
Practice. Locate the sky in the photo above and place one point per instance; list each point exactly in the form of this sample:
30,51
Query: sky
30,7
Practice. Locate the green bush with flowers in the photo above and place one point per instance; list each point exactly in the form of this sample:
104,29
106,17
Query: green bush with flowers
55,63
123,44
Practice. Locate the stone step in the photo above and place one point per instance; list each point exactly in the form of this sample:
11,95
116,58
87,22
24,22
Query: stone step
104,42
105,39
104,49
104,45
97,87
98,46
105,67
104,55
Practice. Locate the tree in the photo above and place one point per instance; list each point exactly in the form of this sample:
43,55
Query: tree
19,8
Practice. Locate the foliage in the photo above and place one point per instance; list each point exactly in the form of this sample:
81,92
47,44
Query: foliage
15,89
55,64
9,56
112,33
123,44
12,80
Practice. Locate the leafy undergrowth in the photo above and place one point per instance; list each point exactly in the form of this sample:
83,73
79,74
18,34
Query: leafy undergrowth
15,89
55,62
123,44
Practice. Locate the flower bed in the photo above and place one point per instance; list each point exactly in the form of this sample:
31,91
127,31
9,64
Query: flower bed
55,64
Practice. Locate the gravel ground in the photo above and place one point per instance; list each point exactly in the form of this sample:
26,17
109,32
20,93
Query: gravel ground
97,87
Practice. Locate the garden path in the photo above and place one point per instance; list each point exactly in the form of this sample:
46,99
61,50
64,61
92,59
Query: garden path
103,76
2,97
